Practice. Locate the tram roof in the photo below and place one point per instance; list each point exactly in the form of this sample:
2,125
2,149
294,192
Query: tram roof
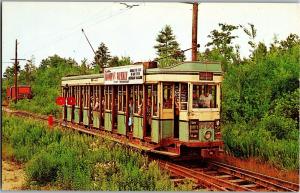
184,67
188,67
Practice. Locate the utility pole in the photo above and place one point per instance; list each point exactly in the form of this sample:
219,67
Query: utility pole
194,31
16,73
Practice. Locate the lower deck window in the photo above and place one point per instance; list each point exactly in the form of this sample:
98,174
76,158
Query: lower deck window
204,96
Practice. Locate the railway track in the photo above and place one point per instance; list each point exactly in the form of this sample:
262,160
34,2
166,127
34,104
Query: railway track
216,176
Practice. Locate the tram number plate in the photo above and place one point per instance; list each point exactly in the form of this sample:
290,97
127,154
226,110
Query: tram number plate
205,76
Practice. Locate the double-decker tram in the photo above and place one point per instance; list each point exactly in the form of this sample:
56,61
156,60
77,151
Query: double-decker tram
173,111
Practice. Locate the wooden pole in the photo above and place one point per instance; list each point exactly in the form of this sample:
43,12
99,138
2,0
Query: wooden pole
16,72
194,31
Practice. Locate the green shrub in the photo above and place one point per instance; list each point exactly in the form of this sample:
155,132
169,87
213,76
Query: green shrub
71,161
42,168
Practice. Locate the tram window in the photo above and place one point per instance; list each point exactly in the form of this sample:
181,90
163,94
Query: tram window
136,99
121,98
124,98
184,96
154,102
107,97
149,101
204,96
140,107
167,97
120,89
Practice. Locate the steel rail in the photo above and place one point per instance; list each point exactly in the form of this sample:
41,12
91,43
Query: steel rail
205,178
273,184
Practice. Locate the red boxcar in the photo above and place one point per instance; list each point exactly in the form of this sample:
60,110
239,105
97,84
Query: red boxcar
23,92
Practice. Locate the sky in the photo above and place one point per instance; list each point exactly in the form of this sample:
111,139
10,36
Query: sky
47,28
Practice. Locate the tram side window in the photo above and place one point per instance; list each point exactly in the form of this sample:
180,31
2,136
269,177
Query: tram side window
184,96
122,98
154,97
167,97
204,96
107,97
140,107
136,99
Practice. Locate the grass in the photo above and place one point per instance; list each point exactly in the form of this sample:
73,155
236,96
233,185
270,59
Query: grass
66,160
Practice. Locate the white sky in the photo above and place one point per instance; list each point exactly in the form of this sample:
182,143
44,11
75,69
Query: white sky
47,28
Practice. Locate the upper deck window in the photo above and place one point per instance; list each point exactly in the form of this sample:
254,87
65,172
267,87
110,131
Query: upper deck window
204,96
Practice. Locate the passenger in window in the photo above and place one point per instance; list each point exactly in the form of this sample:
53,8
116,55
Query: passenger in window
96,106
130,120
208,100
140,109
202,99
148,111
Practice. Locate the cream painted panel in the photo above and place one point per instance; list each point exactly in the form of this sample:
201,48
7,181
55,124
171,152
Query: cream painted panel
82,81
205,116
178,78
183,116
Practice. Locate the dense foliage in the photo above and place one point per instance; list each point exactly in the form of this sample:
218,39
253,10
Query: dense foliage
68,160
45,84
260,102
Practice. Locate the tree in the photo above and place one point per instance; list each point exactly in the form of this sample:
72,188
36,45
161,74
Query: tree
167,48
116,61
251,33
29,71
222,41
102,57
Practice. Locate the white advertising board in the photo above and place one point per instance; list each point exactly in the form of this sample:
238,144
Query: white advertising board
133,74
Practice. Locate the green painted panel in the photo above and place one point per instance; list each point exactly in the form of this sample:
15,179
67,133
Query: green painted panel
107,125
183,131
69,113
202,134
96,119
85,117
138,127
155,131
63,113
122,124
167,128
76,115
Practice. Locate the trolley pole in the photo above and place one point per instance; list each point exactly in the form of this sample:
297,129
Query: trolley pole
16,72
194,31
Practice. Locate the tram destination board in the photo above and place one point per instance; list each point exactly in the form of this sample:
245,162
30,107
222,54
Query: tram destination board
205,76
133,74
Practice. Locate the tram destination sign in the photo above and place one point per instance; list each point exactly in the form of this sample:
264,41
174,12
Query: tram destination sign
133,74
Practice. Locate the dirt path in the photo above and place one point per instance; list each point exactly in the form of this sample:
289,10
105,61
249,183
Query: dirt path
13,176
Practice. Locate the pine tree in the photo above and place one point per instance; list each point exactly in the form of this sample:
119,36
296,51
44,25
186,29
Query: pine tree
167,48
29,70
102,57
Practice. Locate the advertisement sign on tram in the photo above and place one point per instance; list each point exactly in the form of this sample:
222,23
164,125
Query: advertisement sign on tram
132,74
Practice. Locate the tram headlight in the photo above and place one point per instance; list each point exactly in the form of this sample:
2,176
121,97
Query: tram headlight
207,135
217,122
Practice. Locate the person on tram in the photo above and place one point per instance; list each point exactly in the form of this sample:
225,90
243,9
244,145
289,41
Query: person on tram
130,120
96,106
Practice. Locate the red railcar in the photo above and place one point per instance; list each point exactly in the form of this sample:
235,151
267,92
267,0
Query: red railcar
23,92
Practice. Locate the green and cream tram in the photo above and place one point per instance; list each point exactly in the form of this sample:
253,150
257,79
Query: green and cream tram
174,110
